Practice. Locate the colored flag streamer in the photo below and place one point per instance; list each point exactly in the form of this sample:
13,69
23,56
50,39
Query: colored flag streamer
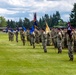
35,19
32,29
69,26
23,28
6,29
47,28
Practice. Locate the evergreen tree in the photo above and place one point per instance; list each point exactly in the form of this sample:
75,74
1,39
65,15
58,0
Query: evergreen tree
26,23
8,23
73,16
20,23
40,23
50,21
12,24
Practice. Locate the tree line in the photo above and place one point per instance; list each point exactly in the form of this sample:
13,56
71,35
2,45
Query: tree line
52,20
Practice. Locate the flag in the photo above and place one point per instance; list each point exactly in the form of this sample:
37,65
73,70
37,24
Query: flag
6,29
11,29
34,16
47,28
69,30
35,20
69,26
17,28
23,28
32,29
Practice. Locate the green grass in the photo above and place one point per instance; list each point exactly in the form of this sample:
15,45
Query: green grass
16,59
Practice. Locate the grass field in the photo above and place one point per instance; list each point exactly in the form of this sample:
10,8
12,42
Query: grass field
16,59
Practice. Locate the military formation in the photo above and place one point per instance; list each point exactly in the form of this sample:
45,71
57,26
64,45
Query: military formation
58,37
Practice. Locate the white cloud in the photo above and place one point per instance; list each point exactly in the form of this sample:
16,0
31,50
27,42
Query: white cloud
65,17
14,7
5,11
16,2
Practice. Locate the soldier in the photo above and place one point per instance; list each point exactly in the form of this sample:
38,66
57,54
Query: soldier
32,39
9,35
55,39
37,36
49,39
44,40
22,36
75,40
65,38
62,32
70,43
12,35
54,34
28,35
59,41
40,35
16,33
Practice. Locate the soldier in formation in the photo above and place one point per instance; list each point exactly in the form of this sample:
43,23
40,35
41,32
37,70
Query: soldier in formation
49,39
11,35
44,40
16,34
32,39
59,41
75,40
28,34
22,33
37,36
70,43
53,34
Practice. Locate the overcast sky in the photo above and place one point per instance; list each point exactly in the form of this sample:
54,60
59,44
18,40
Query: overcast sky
16,9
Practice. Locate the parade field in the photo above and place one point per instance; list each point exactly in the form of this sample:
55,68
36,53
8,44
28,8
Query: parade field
16,59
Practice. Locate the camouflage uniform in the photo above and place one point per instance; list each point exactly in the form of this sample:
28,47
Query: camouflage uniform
70,43
32,39
74,40
37,36
49,39
20,34
54,33
59,41
40,35
9,35
54,40
63,37
44,41
23,36
28,35
16,33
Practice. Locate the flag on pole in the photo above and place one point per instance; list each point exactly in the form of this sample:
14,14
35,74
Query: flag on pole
47,28
69,30
69,26
32,29
6,29
35,19
23,28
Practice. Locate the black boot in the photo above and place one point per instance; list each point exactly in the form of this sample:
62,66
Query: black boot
71,59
